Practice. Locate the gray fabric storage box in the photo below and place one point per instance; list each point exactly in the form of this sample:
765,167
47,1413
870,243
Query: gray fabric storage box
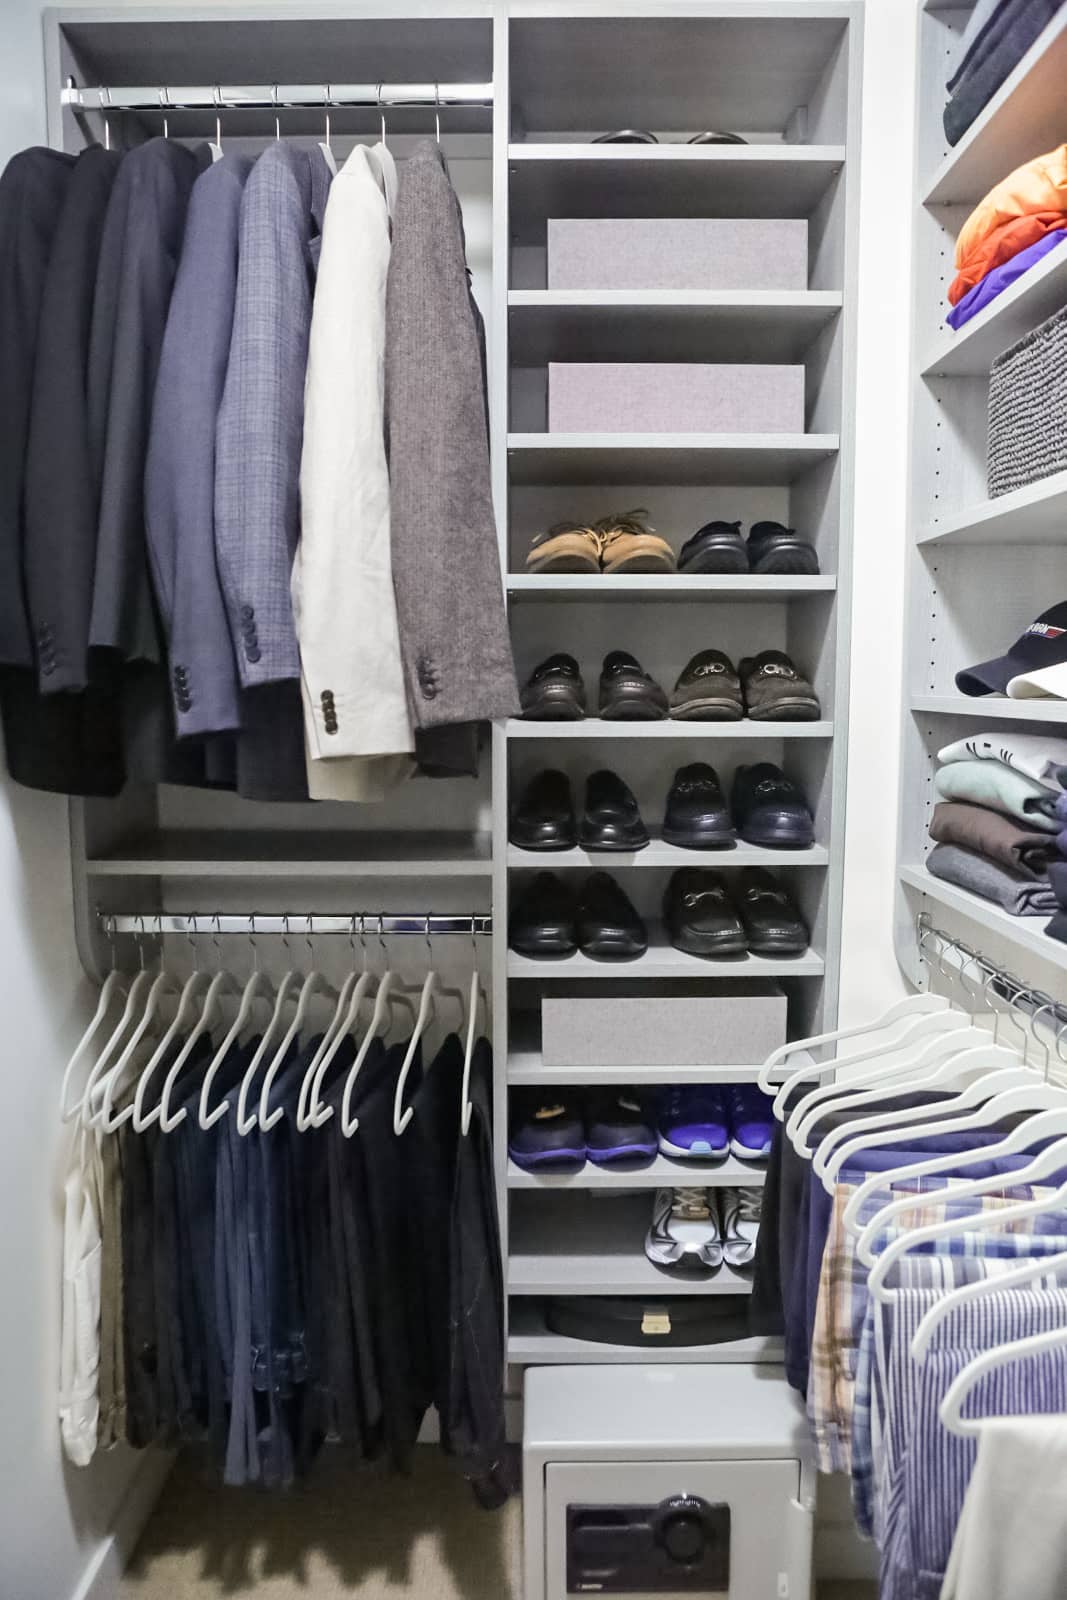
1028,408
673,397
739,1025
677,253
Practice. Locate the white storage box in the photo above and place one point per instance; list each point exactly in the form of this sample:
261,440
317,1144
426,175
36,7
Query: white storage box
674,397
734,1027
677,253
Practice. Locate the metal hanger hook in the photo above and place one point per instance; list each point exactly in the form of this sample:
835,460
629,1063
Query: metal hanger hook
381,937
308,931
191,936
285,935
1047,1004
437,111
217,94
326,104
381,113
140,941
163,97
429,945
277,119
217,921
107,123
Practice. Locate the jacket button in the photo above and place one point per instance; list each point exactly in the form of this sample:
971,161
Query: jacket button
248,612
253,652
48,667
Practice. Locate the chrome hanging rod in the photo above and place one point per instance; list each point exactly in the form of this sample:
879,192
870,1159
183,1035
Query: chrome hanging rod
276,96
1004,984
306,924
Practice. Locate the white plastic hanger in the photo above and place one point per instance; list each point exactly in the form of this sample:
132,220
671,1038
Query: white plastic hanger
921,1004
967,1293
402,1115
135,1000
164,986
906,1033
477,990
287,991
222,984
216,148
190,1006
114,988
379,1021
324,144
999,1070
332,1033
314,984
1002,1355
258,987
310,1112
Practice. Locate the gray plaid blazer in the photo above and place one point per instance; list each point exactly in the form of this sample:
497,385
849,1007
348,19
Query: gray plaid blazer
261,417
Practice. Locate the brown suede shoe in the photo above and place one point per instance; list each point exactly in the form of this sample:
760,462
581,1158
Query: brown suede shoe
627,544
775,691
565,547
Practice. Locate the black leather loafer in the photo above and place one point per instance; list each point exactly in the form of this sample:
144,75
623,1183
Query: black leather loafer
542,921
772,923
770,809
708,690
772,547
716,547
611,820
608,927
627,693
554,691
697,816
699,915
544,816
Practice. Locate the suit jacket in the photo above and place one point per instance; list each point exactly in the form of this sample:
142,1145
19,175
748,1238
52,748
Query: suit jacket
446,565
260,422
67,743
138,261
180,468
61,482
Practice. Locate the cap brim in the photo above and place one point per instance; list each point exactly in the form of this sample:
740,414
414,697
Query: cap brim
988,677
1048,683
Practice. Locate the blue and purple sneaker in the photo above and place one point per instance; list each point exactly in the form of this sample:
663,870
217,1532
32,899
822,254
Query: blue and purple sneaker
751,1122
546,1130
617,1128
692,1123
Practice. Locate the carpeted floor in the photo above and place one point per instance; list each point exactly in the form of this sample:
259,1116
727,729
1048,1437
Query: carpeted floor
347,1535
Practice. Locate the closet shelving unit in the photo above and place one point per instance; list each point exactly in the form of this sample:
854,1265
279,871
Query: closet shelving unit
785,73
981,568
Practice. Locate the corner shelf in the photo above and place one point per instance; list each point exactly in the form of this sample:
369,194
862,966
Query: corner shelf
597,728
1036,514
661,1173
660,855
665,586
666,458
1025,933
989,710
1031,298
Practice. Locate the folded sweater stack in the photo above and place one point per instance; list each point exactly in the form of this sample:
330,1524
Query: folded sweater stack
998,34
1001,821
1012,228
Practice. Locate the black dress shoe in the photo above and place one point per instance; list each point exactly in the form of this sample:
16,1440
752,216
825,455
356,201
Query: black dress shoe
608,927
627,693
775,691
716,547
772,923
542,921
774,548
611,820
708,690
544,816
697,816
699,915
554,691
770,809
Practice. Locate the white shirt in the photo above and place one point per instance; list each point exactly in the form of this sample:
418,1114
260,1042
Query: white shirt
79,1404
358,734
1031,753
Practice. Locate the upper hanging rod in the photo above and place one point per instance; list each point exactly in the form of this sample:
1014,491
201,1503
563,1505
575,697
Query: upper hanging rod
276,96
190,925
1004,984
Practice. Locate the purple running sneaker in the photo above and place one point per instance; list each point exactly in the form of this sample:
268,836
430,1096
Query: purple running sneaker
751,1122
692,1123
617,1128
546,1130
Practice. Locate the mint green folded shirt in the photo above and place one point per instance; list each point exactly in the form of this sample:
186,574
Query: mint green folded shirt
990,783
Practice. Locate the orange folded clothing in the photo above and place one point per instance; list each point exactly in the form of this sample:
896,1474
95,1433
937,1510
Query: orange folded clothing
1000,245
1031,195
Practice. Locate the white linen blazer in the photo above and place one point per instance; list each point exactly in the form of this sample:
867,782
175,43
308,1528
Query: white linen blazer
357,731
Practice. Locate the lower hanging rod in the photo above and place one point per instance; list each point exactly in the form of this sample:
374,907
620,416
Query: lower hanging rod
275,96
307,924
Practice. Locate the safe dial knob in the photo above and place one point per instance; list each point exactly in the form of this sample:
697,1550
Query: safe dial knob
682,1530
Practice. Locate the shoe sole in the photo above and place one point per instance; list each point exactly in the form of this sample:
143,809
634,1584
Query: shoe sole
779,838
790,560
541,846
781,946
795,710
552,704
681,1153
634,705
701,839
531,1161
539,950
697,945
745,1153
622,1152
707,711
718,561
643,556
612,952
606,842
567,552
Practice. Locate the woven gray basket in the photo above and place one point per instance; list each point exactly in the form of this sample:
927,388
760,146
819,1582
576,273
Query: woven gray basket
1028,408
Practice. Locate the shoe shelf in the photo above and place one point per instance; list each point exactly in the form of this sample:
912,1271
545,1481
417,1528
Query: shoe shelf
662,960
1023,933
666,324
196,854
1036,514
526,1068
597,728
531,1343
661,1173
1024,118
664,586
659,854
585,1244
666,458
990,708
1033,297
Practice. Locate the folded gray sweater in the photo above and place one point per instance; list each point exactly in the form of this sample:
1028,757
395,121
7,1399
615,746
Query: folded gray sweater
1019,896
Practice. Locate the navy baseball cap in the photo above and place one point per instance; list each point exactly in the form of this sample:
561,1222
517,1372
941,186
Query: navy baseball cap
1035,665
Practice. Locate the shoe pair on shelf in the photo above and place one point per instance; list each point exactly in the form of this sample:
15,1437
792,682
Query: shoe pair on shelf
622,542
694,1229
719,547
639,136
555,1128
704,916
708,1122
765,688
768,809
550,920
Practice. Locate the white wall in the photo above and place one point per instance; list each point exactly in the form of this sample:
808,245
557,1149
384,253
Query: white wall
52,1520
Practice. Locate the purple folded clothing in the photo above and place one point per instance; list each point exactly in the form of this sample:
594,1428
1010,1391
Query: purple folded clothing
1057,877
994,283
1061,800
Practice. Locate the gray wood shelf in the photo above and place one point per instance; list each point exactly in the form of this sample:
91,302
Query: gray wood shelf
666,324
669,458
662,960
597,728
1026,934
1036,514
990,709
660,855
297,855
665,586
526,1068
1016,312
661,1173
532,1345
